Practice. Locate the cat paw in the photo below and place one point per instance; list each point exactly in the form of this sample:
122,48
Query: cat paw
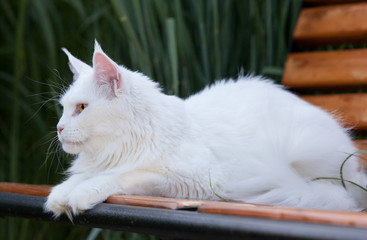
57,201
84,198
57,206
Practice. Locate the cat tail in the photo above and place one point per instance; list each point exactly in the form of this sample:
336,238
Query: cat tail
357,188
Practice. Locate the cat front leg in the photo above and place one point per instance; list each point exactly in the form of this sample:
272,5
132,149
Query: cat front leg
57,201
97,189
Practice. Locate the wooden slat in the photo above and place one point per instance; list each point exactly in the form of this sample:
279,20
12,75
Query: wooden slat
155,202
351,219
349,109
336,24
291,214
131,200
328,2
362,145
333,69
27,189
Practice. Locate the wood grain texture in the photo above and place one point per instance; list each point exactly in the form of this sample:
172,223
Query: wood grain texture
333,69
362,145
155,202
349,109
337,24
351,219
328,2
27,189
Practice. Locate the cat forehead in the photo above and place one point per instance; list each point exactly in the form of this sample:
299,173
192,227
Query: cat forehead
81,91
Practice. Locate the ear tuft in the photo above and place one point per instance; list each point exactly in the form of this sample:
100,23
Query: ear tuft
76,66
97,47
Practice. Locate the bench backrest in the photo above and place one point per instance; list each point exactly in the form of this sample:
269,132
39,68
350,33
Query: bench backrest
312,67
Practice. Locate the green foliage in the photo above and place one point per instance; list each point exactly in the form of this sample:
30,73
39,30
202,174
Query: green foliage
183,44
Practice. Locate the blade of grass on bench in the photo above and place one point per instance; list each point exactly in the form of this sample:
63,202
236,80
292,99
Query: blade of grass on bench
350,219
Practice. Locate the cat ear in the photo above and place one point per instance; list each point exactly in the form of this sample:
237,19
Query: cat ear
76,66
106,71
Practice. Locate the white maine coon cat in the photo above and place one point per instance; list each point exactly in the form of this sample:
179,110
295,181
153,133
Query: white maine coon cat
246,139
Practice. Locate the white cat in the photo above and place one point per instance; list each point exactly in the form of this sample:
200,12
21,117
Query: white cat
245,139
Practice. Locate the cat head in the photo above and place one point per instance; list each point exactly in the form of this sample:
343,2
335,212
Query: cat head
97,105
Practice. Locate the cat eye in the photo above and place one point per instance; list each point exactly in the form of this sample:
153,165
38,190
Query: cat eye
81,107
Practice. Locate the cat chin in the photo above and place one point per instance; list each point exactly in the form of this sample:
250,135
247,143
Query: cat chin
71,147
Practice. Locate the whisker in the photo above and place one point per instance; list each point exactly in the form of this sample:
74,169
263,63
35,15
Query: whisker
54,149
39,109
50,84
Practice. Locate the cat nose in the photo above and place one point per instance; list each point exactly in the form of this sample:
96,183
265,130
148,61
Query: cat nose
59,129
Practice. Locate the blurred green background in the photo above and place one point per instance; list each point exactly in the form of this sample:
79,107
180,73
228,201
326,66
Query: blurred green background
182,44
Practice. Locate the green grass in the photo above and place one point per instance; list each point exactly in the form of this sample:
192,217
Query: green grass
182,44
341,175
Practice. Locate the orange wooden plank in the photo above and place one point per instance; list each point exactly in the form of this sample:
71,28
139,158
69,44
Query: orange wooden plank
229,208
27,189
362,145
333,69
132,200
349,109
150,201
290,214
328,2
346,23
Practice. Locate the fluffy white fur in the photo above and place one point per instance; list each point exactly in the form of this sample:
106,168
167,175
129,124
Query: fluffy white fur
248,138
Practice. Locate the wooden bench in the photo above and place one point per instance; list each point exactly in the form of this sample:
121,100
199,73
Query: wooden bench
305,72
336,70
